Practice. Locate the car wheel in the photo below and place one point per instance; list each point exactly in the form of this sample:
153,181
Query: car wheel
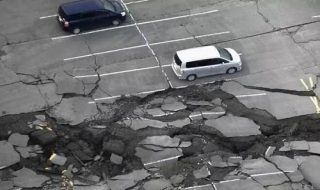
116,22
76,31
231,70
191,77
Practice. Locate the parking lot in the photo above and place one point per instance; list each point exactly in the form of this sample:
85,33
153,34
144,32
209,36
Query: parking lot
74,77
135,57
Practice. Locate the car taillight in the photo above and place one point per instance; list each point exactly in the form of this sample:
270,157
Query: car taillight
66,24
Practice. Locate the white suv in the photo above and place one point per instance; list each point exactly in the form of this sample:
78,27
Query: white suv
205,61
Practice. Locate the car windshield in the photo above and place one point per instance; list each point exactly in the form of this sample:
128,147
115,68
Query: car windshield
107,5
224,53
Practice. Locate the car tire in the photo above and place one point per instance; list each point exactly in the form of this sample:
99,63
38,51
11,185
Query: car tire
116,22
191,77
76,30
231,70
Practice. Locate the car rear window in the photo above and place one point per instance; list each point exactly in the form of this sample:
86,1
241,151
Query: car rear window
177,60
224,53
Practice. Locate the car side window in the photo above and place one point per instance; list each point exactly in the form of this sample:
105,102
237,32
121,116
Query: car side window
102,13
192,64
218,61
88,15
204,63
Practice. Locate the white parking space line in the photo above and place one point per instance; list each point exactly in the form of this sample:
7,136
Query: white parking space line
49,16
251,95
105,52
113,97
135,2
177,17
317,16
131,25
120,72
146,45
198,186
163,160
92,32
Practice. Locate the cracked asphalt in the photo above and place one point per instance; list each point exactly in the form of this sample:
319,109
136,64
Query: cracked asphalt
106,107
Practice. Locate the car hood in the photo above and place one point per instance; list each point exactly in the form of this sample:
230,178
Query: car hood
118,6
235,56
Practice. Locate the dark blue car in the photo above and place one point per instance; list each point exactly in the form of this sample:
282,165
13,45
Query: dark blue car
88,14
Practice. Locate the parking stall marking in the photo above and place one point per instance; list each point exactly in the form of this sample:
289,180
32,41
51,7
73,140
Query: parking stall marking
145,45
132,25
127,95
313,98
163,160
135,2
92,32
123,71
49,16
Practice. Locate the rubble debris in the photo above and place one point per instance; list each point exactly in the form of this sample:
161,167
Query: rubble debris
243,184
201,173
284,163
57,159
176,106
299,145
180,123
141,123
39,123
257,166
8,156
300,159
44,137
151,158
295,176
116,159
123,182
18,140
213,114
155,112
197,115
314,147
29,151
199,103
114,146
216,161
310,169
269,151
27,178
234,160
233,126
177,179
169,100
162,141
271,179
6,185
217,101
41,117
156,184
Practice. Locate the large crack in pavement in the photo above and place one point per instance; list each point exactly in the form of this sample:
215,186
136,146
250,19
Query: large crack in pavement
284,91
134,138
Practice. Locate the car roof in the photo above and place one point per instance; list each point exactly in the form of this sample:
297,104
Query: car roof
81,6
198,53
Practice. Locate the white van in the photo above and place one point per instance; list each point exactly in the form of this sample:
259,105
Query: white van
203,61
